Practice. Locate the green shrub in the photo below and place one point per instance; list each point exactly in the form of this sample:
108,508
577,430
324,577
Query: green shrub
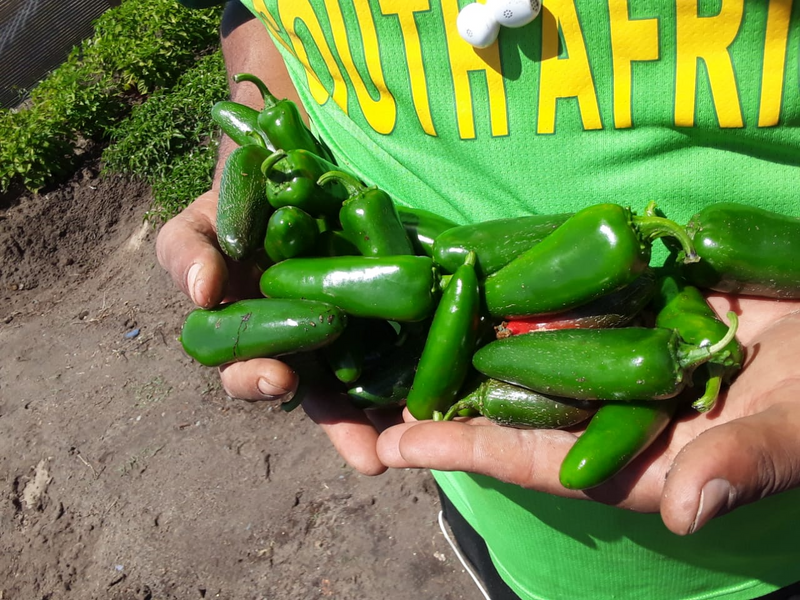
138,47
169,140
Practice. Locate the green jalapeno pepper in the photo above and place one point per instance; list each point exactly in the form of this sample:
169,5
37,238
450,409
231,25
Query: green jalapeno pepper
423,227
514,406
496,242
291,232
292,181
333,242
628,363
445,360
683,307
387,382
368,217
745,250
242,209
616,434
238,122
281,122
345,355
612,310
395,288
594,252
260,327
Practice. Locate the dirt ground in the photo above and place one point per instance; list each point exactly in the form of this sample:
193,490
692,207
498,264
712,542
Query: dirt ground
126,473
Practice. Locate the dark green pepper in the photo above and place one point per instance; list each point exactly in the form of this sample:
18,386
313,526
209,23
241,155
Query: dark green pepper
387,382
291,232
238,122
333,242
612,310
281,122
514,406
496,242
292,181
261,327
745,250
617,434
368,218
448,350
683,307
396,288
596,251
345,355
628,363
243,209
423,227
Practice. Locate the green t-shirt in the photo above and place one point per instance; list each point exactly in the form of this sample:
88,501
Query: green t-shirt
685,102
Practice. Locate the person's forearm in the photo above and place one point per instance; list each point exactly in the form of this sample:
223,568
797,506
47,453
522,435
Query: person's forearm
248,48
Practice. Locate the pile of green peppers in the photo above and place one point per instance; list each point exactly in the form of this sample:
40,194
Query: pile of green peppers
541,321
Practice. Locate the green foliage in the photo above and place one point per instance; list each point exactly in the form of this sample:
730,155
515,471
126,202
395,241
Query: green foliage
169,140
138,47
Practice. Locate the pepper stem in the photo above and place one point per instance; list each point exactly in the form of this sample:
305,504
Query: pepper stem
455,409
257,139
694,356
352,185
270,162
269,99
652,228
713,386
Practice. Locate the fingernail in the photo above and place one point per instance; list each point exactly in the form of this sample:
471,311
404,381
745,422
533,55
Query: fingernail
192,281
271,391
715,495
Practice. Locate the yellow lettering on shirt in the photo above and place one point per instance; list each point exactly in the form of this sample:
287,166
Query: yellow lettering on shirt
631,40
774,66
404,10
292,11
381,114
707,39
569,77
465,59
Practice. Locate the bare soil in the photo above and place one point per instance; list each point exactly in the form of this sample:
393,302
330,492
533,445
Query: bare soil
126,473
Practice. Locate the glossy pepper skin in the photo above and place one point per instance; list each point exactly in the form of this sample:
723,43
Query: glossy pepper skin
395,288
612,310
446,357
291,232
616,434
745,250
291,179
596,251
423,227
282,123
242,208
683,307
368,218
496,242
260,327
627,363
514,406
238,122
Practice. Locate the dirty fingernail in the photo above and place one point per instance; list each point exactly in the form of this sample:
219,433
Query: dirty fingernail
715,495
192,282
271,391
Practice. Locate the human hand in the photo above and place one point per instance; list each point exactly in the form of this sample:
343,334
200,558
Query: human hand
187,248
704,465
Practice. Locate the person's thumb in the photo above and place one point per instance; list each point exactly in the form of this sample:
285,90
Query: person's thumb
734,464
186,248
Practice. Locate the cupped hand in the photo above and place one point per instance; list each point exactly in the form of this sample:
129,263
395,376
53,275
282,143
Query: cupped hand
187,249
704,465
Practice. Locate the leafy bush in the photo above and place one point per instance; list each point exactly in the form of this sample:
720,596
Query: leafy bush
138,47
169,140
